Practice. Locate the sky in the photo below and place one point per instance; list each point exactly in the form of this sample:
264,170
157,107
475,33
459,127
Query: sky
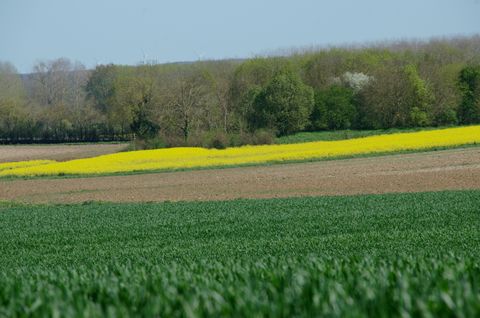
128,32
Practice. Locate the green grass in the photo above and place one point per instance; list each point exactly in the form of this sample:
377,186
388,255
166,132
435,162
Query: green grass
332,135
384,255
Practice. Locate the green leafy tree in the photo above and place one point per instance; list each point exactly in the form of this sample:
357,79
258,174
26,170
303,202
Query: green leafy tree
101,86
284,105
447,95
334,109
102,90
387,101
142,124
247,78
13,121
422,98
135,98
14,117
469,83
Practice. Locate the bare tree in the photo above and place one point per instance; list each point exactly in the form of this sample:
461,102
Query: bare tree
219,79
186,101
51,81
11,85
78,82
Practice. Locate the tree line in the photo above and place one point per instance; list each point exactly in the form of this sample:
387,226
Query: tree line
234,102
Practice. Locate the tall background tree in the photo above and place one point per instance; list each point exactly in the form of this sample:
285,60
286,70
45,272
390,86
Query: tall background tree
469,83
284,105
15,121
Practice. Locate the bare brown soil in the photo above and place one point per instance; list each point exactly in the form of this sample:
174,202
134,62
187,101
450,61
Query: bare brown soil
56,152
430,171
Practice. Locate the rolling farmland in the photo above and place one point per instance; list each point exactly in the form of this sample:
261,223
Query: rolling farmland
239,159
190,157
453,169
307,250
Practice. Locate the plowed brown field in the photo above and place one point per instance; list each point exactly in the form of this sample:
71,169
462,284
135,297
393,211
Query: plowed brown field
56,152
428,171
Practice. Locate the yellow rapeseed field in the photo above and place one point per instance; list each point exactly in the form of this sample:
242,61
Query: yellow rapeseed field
23,164
189,157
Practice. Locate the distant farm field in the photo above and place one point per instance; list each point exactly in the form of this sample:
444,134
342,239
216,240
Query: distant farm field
383,255
60,152
190,158
453,169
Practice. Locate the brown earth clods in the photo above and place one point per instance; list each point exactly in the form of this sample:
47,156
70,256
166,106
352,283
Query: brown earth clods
429,171
56,152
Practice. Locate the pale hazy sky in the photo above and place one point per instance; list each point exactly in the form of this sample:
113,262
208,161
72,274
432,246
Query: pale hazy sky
103,31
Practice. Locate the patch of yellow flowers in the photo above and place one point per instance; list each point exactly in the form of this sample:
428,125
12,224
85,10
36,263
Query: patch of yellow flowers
23,164
189,157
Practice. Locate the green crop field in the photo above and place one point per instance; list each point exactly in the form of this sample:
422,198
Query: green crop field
377,255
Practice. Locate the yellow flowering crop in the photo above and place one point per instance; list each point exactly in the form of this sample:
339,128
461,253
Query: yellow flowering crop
23,164
188,157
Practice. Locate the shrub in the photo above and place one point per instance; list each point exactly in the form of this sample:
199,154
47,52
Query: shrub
219,140
419,118
263,137
145,144
447,116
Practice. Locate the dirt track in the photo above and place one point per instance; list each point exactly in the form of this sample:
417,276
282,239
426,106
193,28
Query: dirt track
429,171
56,152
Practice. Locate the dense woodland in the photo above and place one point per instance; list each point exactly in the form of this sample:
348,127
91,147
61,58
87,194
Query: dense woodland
233,102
